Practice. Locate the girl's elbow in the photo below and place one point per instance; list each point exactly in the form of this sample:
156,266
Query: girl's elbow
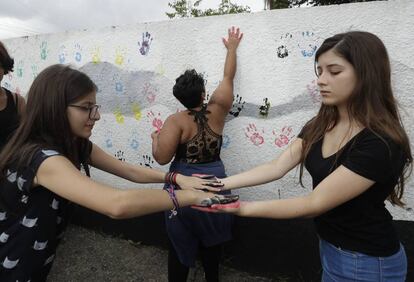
160,160
314,208
117,209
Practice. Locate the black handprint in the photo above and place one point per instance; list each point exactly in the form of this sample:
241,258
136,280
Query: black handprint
282,50
264,109
148,162
120,155
237,106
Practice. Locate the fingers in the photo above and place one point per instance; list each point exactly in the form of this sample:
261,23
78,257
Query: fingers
211,189
205,209
233,33
234,205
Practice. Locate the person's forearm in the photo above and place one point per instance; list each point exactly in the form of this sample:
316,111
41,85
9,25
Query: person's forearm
138,202
301,207
141,174
230,64
259,175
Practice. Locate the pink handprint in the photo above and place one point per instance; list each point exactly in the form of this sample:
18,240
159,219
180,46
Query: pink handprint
284,137
150,92
157,122
255,137
313,91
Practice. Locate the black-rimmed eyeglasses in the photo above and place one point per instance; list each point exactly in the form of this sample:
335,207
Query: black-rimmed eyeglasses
93,110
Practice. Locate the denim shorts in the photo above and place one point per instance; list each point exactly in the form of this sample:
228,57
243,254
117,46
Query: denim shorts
342,265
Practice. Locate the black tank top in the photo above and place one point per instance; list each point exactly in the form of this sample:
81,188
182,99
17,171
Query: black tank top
9,119
205,146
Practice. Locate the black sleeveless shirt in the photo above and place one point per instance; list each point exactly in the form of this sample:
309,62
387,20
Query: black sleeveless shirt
9,119
205,146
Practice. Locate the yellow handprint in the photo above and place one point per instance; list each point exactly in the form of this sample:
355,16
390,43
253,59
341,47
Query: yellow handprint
137,111
159,69
119,57
118,116
96,55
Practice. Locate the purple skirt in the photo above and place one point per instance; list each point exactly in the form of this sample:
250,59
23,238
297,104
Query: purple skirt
190,227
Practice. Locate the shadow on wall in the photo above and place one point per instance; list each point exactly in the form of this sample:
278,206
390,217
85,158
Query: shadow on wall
119,89
265,247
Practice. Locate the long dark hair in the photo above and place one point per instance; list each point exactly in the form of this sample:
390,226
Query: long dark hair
371,104
6,61
45,124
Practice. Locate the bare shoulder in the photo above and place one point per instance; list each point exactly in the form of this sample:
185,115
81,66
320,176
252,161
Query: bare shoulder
53,166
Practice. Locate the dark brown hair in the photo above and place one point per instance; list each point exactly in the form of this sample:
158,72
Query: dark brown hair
6,62
45,124
371,104
188,89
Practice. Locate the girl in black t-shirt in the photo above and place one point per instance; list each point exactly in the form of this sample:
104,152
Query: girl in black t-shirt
358,155
40,177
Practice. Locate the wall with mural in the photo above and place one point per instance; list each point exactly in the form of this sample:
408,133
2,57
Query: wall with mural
135,68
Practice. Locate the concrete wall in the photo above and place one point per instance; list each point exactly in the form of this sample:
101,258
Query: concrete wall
135,68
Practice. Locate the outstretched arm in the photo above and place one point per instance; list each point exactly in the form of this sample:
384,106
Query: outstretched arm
267,172
223,95
58,175
103,161
339,187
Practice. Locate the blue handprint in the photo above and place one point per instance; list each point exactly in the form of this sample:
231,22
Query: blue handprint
308,44
78,52
226,141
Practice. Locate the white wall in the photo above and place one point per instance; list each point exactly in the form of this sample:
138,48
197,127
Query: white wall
136,83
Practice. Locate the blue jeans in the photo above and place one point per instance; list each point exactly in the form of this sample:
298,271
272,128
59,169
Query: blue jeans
342,265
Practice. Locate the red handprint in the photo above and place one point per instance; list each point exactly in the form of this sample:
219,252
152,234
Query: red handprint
255,137
284,137
157,122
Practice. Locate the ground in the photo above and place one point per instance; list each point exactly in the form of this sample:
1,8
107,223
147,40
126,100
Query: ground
86,255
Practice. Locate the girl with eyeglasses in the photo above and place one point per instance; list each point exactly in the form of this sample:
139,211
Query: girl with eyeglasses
40,179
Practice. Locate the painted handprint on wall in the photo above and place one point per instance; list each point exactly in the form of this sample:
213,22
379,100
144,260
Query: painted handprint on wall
159,69
43,50
254,135
308,43
120,155
283,49
35,71
133,140
136,109
96,55
237,106
264,109
156,120
226,141
144,46
147,161
314,92
119,56
62,54
108,139
150,92
19,68
119,86
119,116
78,53
284,137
